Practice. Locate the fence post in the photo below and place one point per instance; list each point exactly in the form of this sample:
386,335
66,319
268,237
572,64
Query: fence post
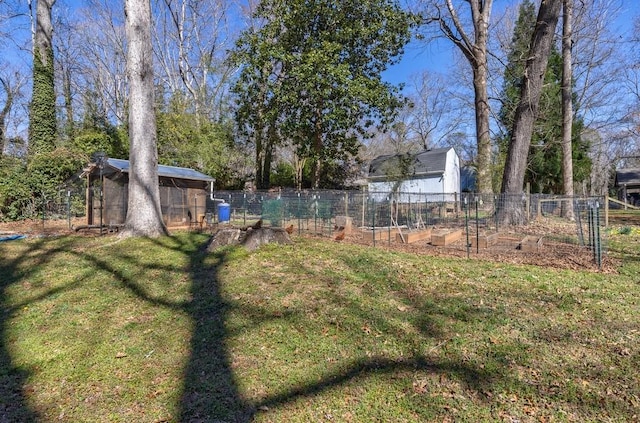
373,223
69,209
477,228
606,210
346,204
598,248
455,203
528,202
244,209
390,218
466,223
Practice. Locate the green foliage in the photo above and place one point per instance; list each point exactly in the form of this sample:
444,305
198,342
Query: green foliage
312,76
188,140
283,175
625,230
90,141
544,170
42,113
15,195
337,174
25,190
98,134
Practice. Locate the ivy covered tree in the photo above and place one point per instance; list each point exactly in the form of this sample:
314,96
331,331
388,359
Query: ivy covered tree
42,113
544,164
311,77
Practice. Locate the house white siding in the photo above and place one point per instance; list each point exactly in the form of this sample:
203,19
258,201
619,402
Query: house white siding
440,185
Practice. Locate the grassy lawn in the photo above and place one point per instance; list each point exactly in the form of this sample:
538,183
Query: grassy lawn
98,329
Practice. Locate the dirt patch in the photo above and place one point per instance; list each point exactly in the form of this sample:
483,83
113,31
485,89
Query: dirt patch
40,228
558,248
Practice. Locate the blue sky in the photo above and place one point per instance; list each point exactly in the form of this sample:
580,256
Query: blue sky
439,56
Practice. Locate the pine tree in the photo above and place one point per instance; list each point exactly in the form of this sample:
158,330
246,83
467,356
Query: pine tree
544,163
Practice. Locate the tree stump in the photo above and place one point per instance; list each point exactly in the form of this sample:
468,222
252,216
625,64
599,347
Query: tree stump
249,238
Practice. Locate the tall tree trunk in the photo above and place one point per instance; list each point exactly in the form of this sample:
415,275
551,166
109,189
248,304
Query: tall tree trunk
316,168
144,214
68,103
268,156
42,113
299,163
474,48
567,107
526,112
4,113
258,136
482,123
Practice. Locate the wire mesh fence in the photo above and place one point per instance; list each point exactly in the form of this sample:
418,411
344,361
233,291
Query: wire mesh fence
466,222
58,210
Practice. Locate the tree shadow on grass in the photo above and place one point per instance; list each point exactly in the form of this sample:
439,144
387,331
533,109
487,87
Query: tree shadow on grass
210,390
14,406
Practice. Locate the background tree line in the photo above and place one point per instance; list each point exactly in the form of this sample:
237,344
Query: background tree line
296,93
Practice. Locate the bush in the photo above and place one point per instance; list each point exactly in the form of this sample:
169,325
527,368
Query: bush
26,188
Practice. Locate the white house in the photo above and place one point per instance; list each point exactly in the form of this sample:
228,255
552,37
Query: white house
435,173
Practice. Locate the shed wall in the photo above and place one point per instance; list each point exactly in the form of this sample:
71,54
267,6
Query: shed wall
182,202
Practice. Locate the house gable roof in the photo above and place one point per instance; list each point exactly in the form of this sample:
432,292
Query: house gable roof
121,165
426,163
629,176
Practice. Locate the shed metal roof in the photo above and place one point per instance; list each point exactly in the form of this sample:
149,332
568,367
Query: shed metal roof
121,165
426,163
630,176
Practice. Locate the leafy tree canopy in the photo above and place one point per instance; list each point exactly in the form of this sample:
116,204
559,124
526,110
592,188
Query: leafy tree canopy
311,74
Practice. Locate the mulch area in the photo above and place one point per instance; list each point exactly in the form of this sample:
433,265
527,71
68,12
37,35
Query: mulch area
40,228
552,253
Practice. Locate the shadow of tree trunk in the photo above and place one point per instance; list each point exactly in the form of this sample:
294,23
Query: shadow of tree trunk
210,390
13,402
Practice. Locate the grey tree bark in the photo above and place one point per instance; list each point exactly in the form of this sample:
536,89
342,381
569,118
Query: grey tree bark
526,112
144,216
474,48
43,31
4,112
567,107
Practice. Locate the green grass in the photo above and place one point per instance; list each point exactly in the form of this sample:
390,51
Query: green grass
97,329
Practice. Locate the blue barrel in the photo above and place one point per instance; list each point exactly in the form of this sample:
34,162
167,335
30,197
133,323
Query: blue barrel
224,212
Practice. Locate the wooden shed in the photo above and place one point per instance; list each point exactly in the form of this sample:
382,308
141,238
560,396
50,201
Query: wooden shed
434,171
184,193
628,185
